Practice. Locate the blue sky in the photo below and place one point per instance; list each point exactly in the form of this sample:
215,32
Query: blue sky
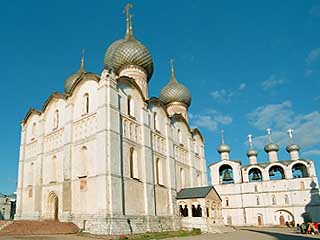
249,64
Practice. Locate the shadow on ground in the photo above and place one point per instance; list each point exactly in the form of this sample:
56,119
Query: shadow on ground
283,236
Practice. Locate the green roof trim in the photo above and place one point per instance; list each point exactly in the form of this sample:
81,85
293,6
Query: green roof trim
196,192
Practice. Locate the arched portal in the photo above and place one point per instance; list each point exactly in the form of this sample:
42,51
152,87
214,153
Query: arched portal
260,220
282,216
53,206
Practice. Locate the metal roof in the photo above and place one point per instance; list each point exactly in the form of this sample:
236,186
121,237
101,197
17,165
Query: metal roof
196,192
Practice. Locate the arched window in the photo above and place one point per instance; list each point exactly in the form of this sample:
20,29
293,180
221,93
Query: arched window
53,169
198,179
226,174
258,200
86,103
227,202
84,162
33,131
286,199
182,177
31,176
159,171
255,175
299,170
130,106
56,119
179,136
133,164
155,121
276,173
274,200
302,187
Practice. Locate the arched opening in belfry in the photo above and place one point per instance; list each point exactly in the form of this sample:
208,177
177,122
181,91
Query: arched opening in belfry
276,173
226,174
299,170
255,175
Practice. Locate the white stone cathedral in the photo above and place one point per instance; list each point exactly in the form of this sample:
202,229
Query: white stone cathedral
271,192
105,155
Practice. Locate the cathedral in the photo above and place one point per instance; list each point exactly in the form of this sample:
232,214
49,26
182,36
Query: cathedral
272,192
111,159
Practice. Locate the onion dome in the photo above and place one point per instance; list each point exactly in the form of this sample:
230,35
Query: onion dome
175,91
223,148
252,152
68,83
293,147
128,51
271,147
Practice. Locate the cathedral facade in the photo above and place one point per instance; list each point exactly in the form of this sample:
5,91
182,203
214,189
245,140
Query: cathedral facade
105,155
273,192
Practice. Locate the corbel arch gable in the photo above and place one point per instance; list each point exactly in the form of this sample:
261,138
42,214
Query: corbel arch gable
196,131
31,112
88,76
54,95
132,83
156,101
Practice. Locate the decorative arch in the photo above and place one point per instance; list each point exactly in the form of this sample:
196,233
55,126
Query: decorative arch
276,172
255,175
299,170
226,174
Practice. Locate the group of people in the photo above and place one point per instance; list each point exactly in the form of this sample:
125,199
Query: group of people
308,228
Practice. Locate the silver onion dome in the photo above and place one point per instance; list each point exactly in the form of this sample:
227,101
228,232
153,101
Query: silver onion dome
252,152
69,82
175,91
128,51
223,148
271,147
293,147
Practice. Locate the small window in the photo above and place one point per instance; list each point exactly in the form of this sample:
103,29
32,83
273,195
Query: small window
255,188
179,136
182,180
133,162
159,171
227,202
258,200
302,185
155,121
33,131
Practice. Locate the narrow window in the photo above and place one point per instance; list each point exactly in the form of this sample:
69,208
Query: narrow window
286,199
159,171
133,164
84,162
258,200
255,188
130,105
86,103
33,131
155,121
179,136
227,202
302,185
56,119
182,177
31,173
274,200
53,169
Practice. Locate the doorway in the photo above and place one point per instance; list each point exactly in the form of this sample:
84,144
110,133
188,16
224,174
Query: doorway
281,219
260,220
53,205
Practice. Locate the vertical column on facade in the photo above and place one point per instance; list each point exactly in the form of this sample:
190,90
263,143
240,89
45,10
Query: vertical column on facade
20,188
172,171
67,161
191,161
203,165
38,175
149,164
109,162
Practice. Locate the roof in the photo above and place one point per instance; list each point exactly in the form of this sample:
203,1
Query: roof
196,192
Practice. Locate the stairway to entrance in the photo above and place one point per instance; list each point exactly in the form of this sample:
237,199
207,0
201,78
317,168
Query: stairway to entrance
29,227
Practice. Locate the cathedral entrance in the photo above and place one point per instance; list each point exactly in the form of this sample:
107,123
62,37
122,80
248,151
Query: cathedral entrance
53,206
281,219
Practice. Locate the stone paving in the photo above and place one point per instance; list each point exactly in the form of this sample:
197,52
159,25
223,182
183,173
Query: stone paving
242,234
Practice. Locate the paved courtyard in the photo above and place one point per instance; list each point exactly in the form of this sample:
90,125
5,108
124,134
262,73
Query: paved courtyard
242,234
